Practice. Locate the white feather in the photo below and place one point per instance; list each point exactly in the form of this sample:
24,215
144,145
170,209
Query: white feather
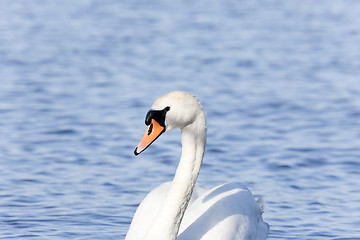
179,209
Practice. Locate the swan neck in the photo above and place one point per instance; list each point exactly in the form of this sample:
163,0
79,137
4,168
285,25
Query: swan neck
193,138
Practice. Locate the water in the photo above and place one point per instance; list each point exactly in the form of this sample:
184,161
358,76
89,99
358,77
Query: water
279,81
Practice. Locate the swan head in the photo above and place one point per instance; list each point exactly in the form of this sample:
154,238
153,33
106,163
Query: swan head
174,110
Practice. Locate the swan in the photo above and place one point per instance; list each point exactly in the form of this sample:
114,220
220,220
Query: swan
180,209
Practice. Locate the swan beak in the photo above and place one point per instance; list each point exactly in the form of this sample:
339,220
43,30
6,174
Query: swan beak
153,131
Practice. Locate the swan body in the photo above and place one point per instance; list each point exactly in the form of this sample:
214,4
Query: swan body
180,209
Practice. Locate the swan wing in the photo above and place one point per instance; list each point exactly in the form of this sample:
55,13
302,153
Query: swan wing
228,211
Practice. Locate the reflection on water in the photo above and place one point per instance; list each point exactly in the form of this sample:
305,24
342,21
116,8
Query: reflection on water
278,80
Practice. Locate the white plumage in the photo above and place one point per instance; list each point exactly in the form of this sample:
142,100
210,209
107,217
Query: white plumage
228,211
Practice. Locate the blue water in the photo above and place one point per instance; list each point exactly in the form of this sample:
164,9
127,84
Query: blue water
279,81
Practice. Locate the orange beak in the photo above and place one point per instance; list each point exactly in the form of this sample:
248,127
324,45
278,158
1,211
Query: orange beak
153,131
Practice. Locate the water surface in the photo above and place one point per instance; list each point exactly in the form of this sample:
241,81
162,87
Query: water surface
279,81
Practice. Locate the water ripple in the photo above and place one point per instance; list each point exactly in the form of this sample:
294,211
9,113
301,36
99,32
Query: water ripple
278,81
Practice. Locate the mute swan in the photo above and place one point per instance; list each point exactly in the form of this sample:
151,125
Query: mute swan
228,211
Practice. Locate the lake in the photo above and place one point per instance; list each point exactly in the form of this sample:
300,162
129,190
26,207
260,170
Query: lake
279,81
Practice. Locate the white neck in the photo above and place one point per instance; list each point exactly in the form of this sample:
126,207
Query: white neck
167,223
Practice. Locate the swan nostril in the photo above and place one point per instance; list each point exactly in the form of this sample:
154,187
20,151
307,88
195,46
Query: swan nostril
150,129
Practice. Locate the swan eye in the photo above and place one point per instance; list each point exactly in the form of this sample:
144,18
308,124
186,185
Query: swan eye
157,115
150,129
